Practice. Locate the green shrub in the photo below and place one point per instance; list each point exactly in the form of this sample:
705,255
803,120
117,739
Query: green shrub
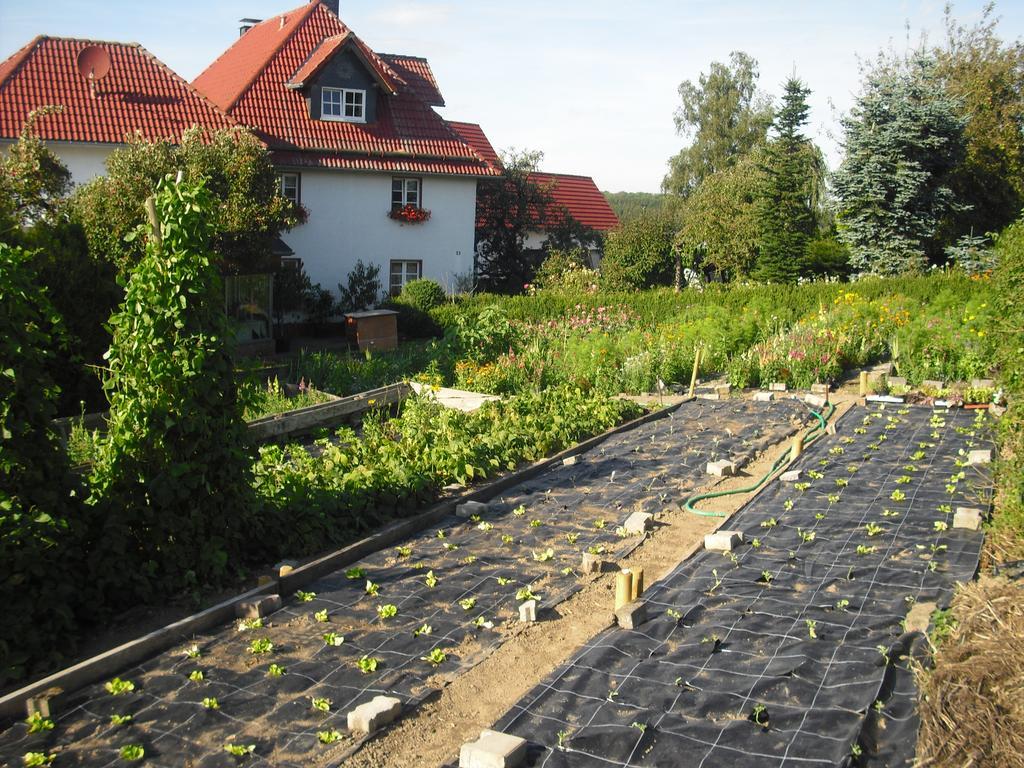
171,488
567,271
639,254
422,294
38,523
361,289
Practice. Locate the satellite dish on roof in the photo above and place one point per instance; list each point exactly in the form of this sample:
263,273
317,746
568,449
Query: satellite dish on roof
94,63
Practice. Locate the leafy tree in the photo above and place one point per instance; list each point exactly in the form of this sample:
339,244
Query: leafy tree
566,233
509,208
629,205
171,487
725,116
902,139
826,257
33,181
986,76
361,289
790,193
248,215
721,229
37,582
639,254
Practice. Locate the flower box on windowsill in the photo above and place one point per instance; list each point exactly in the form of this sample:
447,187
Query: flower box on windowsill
409,214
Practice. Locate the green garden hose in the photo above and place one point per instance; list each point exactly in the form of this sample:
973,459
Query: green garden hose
812,434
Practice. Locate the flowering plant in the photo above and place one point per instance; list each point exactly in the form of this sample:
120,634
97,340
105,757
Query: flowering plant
409,214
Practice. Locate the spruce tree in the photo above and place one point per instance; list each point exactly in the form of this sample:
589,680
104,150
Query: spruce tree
903,138
788,193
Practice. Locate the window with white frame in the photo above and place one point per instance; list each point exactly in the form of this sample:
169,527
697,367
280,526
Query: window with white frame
405,191
290,187
345,104
403,272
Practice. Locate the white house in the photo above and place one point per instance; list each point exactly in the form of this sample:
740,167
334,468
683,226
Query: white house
384,178
354,134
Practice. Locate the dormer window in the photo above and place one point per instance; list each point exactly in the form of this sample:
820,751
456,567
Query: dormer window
344,104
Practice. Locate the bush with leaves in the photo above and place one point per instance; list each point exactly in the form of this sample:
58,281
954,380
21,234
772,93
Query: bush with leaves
361,289
38,580
171,487
639,254
567,270
422,294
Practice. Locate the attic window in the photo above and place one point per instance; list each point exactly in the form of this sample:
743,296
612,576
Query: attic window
345,104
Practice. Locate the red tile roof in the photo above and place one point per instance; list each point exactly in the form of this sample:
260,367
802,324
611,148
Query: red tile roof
476,138
248,81
580,196
140,94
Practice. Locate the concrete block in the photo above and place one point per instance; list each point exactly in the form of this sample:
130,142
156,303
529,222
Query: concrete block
639,522
723,541
830,428
632,615
285,567
983,383
815,401
819,389
569,461
996,410
723,390
591,563
979,457
254,609
883,368
493,750
764,397
374,714
467,509
933,384
722,468
777,386
708,396
40,704
897,381
968,518
528,611
792,476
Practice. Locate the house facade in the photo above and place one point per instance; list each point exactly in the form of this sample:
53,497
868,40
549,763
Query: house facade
355,135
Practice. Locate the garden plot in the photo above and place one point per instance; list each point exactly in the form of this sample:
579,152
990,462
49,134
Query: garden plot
404,621
787,650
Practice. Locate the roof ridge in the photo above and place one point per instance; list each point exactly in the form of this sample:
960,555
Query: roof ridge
304,10
11,64
403,56
564,175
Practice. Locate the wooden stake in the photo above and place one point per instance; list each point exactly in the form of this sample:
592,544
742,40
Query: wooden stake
798,448
636,583
154,222
623,588
696,366
863,383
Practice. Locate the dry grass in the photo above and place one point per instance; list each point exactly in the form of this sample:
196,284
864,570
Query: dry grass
972,702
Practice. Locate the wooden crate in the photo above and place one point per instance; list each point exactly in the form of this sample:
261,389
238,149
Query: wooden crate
374,329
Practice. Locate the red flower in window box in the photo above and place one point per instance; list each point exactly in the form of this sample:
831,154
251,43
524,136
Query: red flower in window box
409,214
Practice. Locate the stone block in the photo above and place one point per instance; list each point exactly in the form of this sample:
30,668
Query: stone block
897,381
983,383
721,468
723,541
816,401
777,386
883,368
591,563
723,390
257,608
792,476
639,522
979,457
968,518
632,615
819,389
996,410
374,715
528,611
830,428
764,397
467,509
569,461
933,384
708,396
40,705
493,750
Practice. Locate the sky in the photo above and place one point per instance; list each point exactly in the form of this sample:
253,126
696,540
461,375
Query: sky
590,83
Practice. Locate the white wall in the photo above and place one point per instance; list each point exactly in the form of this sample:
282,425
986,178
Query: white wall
84,161
348,221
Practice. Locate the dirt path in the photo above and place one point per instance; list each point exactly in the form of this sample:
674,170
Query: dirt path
433,733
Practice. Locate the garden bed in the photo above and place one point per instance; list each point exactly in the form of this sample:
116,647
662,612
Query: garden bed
531,539
792,650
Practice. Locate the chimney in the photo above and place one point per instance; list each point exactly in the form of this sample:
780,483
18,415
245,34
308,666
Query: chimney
246,24
333,5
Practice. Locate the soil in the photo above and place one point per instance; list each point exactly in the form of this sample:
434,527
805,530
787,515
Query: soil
432,734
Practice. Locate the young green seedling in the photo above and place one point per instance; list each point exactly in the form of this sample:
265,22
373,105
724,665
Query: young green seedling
120,719
305,597
118,687
132,752
435,657
367,664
